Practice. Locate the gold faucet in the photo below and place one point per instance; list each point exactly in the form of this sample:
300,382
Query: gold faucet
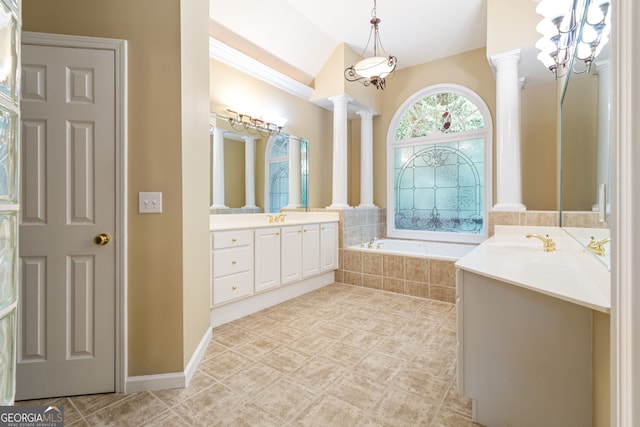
371,242
597,247
548,243
276,218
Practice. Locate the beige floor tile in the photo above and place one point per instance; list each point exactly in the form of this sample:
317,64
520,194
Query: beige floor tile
399,408
358,390
446,418
173,396
251,379
135,410
283,333
250,415
232,337
362,339
379,366
210,406
257,347
225,364
332,330
167,419
398,348
329,411
311,344
88,404
344,354
284,359
285,399
420,382
214,348
317,373
338,356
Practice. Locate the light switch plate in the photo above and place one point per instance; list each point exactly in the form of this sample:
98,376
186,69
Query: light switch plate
149,202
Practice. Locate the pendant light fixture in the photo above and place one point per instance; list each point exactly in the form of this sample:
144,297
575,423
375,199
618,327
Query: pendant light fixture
372,70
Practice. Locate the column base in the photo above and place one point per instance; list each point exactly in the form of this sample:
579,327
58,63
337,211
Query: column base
366,206
218,207
509,207
339,206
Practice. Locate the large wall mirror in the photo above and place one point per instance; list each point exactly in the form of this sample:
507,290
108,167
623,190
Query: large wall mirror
254,172
585,150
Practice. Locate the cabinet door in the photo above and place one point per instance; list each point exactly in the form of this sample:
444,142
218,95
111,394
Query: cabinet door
310,250
267,258
291,259
328,247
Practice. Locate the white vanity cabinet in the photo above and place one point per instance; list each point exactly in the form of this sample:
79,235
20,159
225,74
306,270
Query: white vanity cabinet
291,254
256,264
310,250
267,258
232,265
328,246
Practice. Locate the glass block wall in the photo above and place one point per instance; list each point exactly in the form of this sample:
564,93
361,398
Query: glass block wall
10,26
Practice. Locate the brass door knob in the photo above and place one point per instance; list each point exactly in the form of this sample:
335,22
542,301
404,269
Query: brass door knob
102,239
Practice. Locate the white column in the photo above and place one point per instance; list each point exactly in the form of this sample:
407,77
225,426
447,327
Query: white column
295,173
603,151
366,159
249,172
508,167
339,187
217,160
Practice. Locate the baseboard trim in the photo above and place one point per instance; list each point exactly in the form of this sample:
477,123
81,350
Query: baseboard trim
196,357
172,380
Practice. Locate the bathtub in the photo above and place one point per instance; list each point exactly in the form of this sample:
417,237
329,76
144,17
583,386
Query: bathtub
417,248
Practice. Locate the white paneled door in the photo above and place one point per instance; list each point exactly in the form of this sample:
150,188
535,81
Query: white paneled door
66,326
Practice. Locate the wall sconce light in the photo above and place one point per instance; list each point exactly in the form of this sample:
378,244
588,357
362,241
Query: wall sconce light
564,38
374,69
251,125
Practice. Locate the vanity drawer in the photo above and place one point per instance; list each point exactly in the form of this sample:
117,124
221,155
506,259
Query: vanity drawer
230,239
232,261
232,287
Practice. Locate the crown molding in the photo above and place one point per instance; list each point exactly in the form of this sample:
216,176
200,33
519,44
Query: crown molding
238,60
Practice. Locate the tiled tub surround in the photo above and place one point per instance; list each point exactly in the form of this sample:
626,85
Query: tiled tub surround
416,276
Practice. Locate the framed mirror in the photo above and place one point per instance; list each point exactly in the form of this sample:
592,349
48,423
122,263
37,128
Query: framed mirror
584,191
253,172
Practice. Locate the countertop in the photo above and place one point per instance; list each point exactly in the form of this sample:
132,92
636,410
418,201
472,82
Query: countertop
261,220
570,273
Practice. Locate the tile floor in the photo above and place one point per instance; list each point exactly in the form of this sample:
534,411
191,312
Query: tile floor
339,356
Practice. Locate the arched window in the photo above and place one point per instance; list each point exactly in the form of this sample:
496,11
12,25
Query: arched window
439,166
277,172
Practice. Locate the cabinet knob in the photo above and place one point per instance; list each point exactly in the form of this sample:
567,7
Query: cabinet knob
234,262
304,231
277,234
233,288
234,240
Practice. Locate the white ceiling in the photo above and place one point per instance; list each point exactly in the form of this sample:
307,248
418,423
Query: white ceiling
304,33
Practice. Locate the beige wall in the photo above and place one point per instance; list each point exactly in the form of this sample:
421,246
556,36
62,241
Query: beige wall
194,19
243,93
511,24
539,151
156,280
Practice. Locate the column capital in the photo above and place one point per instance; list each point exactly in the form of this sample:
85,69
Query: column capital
342,98
365,114
509,56
249,138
